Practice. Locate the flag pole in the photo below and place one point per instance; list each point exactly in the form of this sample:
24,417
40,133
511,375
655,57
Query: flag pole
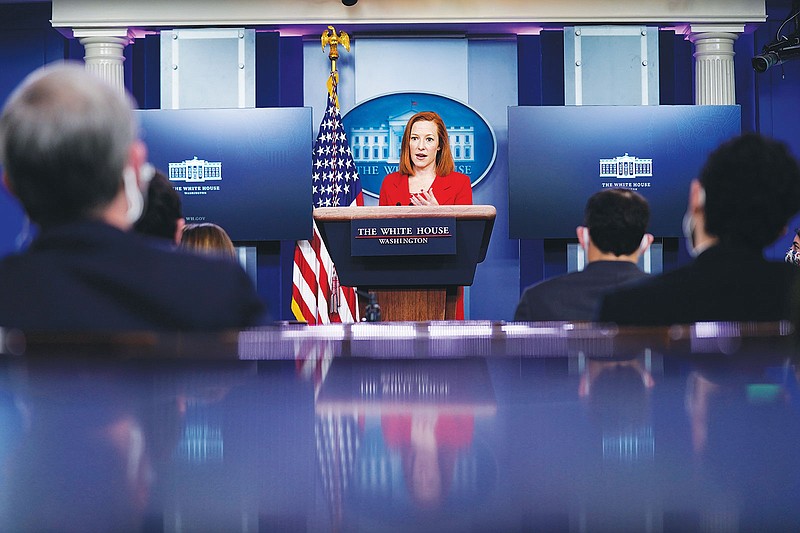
332,39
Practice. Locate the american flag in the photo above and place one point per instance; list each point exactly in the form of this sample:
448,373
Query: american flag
317,297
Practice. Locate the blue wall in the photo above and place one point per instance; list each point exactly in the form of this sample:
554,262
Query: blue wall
27,41
769,104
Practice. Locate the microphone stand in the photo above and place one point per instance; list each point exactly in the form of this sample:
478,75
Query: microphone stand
373,311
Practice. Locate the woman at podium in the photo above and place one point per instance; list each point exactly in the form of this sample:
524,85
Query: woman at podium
426,174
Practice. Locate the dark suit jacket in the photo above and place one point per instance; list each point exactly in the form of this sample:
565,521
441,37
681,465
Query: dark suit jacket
724,283
91,276
575,296
453,189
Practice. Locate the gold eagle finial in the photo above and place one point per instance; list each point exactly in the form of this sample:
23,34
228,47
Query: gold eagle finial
332,39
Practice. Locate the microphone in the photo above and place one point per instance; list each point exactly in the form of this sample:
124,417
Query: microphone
372,313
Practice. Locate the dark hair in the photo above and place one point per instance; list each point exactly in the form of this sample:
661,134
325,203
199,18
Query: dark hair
617,220
444,158
65,136
752,186
162,210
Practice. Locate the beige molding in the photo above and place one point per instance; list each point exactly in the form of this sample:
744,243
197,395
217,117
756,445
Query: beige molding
285,14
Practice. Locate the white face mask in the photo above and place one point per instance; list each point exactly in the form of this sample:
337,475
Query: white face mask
688,232
585,244
644,243
133,193
792,257
689,225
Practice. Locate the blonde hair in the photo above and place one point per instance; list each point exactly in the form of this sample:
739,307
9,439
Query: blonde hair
209,239
444,158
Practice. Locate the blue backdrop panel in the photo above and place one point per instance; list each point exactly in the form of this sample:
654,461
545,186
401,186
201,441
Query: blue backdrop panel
264,193
555,158
27,41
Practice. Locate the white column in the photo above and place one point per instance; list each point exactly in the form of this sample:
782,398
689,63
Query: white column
104,55
713,53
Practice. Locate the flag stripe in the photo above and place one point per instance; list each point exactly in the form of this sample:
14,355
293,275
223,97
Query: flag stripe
304,287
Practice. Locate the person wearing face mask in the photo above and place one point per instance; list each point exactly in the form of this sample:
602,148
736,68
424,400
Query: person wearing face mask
426,174
163,213
742,201
793,253
613,237
71,156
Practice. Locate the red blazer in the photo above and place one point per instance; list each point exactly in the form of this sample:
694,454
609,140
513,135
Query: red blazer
453,189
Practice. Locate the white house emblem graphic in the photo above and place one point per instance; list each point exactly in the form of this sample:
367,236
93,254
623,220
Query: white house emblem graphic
195,170
626,166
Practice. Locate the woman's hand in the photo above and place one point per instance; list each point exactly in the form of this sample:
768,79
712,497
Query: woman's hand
424,198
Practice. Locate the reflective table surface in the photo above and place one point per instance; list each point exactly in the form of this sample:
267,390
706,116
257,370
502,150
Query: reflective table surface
473,426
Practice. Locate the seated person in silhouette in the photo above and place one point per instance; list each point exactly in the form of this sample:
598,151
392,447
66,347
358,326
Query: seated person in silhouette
163,214
745,195
71,155
612,237
208,239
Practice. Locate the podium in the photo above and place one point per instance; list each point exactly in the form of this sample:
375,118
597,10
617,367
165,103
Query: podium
409,286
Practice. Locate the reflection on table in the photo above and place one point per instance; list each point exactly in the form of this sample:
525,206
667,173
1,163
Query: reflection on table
417,426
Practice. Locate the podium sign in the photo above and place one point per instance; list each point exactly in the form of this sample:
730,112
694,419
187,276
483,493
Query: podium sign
405,236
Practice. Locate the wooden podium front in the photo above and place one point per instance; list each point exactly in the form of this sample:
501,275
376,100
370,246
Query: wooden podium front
414,304
409,287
